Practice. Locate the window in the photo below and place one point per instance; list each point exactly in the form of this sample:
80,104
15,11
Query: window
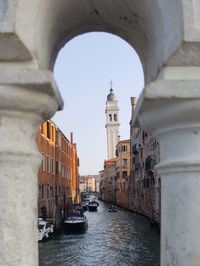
43,163
64,145
123,148
42,191
63,170
66,172
125,162
52,166
48,164
59,140
152,182
48,130
67,148
56,167
69,174
110,117
115,117
59,167
124,173
52,134
48,191
51,192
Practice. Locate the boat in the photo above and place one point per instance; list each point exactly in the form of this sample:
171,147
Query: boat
78,207
76,221
93,205
84,205
45,229
112,209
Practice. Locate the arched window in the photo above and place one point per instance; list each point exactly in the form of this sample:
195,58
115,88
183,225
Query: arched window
115,117
110,117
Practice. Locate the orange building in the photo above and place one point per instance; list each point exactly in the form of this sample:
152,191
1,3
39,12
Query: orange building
74,172
58,174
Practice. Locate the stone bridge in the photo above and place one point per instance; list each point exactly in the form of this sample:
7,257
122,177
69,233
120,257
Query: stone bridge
166,36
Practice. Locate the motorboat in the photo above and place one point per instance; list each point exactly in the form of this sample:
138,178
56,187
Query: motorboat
45,229
112,209
93,205
76,221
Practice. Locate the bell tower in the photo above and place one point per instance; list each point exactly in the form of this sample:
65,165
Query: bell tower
112,123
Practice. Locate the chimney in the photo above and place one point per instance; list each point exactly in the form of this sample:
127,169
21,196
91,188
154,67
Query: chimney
71,138
133,102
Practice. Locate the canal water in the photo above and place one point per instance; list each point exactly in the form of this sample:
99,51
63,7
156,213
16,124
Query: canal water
112,239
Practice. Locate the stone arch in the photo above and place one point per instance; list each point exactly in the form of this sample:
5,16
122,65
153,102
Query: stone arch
154,28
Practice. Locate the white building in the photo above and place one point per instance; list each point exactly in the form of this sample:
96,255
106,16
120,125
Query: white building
112,124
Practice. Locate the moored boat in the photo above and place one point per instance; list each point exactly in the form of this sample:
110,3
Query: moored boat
93,205
76,221
45,229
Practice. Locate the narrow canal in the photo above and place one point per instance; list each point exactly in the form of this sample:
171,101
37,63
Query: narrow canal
121,238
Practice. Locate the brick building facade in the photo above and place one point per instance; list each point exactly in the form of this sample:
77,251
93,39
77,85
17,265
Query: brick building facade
58,174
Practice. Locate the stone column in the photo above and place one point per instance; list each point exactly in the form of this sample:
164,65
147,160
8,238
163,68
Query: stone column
170,109
26,99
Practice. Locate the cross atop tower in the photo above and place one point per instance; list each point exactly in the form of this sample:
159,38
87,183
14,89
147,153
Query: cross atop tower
111,84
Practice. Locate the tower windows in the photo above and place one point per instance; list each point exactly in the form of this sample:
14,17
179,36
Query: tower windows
110,117
115,117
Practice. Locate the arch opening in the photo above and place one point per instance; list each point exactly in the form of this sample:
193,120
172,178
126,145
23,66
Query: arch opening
83,71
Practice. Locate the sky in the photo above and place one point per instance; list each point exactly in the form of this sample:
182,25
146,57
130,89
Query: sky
83,71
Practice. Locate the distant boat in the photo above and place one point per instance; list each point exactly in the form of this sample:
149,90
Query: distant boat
76,221
93,205
45,229
112,209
